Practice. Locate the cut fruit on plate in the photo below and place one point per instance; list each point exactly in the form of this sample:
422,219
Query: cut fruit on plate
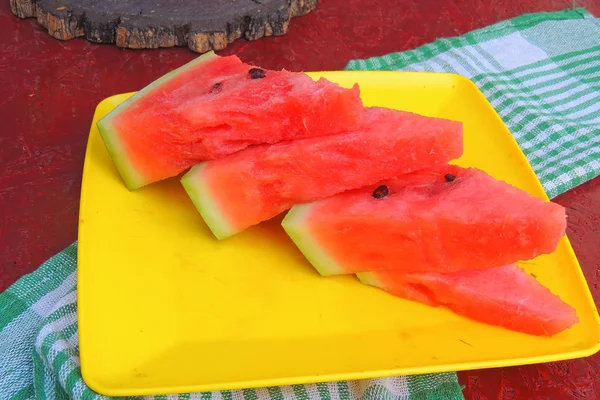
505,296
214,106
254,310
256,184
440,219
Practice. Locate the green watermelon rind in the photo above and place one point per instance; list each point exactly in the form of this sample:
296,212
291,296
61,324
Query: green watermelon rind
130,174
131,177
295,226
369,278
200,194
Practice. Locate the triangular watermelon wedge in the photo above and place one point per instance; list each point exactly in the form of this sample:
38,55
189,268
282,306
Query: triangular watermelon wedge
253,185
504,296
441,219
214,106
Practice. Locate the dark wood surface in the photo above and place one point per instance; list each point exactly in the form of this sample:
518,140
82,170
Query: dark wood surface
49,89
201,25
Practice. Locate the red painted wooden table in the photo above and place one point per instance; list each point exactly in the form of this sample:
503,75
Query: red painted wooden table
48,91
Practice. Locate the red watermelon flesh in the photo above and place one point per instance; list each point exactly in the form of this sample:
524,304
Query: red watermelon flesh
439,219
505,296
256,184
215,106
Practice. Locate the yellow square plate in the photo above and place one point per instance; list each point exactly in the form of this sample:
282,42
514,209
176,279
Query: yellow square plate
164,307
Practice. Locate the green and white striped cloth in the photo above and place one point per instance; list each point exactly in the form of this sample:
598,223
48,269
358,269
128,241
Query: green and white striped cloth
540,71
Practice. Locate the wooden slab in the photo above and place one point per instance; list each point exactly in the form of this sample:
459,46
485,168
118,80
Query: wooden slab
202,25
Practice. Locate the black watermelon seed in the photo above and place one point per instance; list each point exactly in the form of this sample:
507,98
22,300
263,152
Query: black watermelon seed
257,73
381,192
449,177
216,87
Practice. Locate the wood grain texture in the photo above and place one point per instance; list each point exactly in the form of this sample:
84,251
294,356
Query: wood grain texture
49,89
201,25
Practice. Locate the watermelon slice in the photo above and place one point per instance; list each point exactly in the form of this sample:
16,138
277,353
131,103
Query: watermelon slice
214,106
505,296
256,184
440,219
